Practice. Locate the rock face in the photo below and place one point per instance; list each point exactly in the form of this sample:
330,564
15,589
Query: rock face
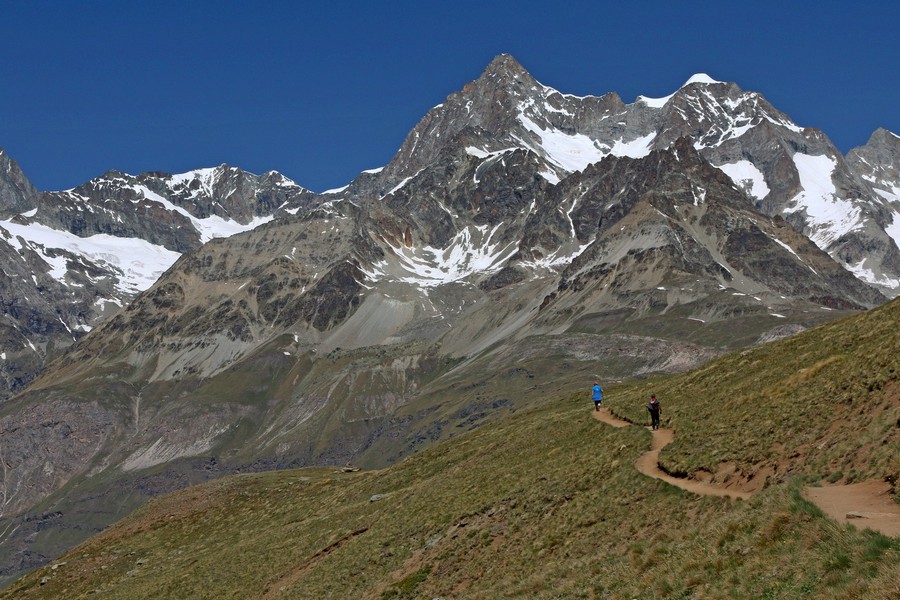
878,164
521,242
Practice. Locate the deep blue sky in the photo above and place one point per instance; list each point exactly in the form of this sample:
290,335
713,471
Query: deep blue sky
322,91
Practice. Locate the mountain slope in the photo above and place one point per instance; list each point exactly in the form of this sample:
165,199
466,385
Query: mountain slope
548,502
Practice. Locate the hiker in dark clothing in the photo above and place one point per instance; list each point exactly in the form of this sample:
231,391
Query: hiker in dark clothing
654,409
597,395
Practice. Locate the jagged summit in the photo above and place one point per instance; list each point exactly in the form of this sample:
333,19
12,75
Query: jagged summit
73,257
698,78
878,164
504,65
884,135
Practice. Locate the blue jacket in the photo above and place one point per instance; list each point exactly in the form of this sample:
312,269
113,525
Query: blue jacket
598,393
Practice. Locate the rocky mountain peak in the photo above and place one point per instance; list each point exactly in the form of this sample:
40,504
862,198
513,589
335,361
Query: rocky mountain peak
883,137
504,67
16,191
73,257
882,151
507,108
785,169
878,162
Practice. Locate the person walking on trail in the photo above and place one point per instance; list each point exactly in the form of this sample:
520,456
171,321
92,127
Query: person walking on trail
597,395
654,409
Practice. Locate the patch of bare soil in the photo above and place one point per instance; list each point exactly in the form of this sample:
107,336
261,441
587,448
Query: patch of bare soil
868,505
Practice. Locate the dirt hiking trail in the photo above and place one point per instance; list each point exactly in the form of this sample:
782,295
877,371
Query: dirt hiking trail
648,463
866,505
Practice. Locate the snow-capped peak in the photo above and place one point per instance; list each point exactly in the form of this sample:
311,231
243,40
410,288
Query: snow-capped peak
660,102
700,78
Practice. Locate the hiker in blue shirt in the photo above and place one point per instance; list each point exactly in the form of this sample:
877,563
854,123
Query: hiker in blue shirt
597,395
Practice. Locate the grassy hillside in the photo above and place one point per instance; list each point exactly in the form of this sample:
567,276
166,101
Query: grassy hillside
546,503
824,403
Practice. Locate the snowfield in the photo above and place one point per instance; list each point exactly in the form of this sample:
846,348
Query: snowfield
138,263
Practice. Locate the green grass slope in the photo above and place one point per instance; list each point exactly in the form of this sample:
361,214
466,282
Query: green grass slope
547,503
823,403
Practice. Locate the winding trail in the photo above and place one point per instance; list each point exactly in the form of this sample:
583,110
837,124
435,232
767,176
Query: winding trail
648,463
867,504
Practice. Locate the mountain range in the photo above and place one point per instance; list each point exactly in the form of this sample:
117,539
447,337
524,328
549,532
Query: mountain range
165,329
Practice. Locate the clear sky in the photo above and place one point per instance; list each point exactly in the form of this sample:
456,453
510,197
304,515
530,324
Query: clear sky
321,91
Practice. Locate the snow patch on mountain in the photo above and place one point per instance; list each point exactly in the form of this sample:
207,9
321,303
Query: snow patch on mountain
700,78
572,152
399,186
830,216
747,177
137,263
471,251
206,177
481,153
654,102
784,123
636,148
861,271
893,229
559,258
892,196
336,190
211,227
575,151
